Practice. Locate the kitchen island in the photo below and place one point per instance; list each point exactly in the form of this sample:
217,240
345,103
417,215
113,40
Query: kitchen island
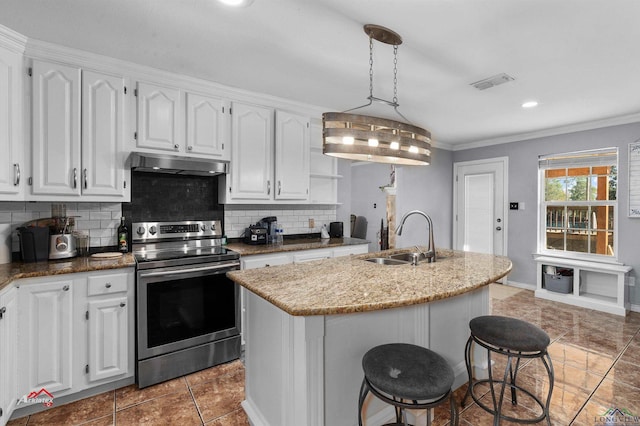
308,326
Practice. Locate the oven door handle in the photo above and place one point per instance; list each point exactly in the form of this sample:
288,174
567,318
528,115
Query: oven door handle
186,271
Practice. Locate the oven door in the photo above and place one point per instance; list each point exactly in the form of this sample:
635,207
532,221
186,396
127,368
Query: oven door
183,306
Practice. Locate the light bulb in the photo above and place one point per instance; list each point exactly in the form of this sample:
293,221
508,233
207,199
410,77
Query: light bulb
413,149
348,140
394,145
373,142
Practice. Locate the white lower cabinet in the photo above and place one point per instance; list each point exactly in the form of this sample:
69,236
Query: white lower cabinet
8,352
75,331
45,331
285,258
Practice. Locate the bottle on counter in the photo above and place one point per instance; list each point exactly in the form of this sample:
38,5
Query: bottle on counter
123,237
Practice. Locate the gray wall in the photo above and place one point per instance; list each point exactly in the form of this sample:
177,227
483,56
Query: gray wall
427,188
523,187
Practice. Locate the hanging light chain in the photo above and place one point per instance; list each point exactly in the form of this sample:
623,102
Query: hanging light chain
395,74
370,66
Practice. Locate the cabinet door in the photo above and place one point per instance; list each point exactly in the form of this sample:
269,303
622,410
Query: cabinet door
45,329
56,129
103,104
108,338
11,160
8,352
158,117
292,156
207,126
251,152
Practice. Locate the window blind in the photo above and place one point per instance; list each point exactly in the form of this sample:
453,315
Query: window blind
595,157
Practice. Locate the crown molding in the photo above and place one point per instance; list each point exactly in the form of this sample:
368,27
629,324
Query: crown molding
12,40
554,131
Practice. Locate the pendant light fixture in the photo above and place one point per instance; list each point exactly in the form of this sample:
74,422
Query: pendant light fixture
367,138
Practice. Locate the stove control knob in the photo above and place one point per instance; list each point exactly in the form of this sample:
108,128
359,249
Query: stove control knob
140,230
203,228
152,230
213,226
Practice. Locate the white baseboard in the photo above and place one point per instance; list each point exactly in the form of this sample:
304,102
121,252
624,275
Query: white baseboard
525,286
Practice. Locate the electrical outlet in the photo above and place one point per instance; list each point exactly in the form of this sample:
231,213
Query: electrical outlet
312,223
513,206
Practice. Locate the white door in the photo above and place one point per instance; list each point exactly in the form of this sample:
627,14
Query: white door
251,152
11,160
56,129
108,338
292,156
8,352
103,102
480,203
207,126
159,110
45,327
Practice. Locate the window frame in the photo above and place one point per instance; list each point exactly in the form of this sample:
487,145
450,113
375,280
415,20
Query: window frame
564,160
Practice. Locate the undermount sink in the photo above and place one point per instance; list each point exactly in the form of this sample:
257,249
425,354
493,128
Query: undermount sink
409,257
387,261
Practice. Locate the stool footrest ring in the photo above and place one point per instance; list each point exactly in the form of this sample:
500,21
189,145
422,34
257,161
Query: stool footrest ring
503,416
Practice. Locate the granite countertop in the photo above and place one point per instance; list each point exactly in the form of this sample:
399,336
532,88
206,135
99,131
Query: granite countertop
17,270
294,245
351,284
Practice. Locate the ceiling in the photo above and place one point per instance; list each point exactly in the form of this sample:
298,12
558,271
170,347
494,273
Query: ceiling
577,58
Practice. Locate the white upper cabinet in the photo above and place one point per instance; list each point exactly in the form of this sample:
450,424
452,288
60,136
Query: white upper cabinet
102,134
158,117
207,126
251,153
56,129
12,159
65,160
182,122
269,156
292,156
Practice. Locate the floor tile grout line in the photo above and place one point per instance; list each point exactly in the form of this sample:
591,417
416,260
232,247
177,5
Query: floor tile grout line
637,333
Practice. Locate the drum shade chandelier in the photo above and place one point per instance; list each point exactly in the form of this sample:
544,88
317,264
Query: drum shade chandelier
366,138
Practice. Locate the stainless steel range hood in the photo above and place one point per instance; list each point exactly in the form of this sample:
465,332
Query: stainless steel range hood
173,164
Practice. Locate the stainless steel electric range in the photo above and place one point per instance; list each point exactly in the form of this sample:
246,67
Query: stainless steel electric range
187,310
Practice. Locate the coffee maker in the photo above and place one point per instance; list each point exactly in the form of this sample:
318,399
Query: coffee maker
269,222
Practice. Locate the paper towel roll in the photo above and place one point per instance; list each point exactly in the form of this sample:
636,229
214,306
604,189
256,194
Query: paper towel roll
5,243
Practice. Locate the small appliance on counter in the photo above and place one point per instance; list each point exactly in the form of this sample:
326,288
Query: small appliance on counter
271,223
62,245
34,243
336,229
255,234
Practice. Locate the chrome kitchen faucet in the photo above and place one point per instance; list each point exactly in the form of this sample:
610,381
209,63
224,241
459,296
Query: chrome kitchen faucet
431,248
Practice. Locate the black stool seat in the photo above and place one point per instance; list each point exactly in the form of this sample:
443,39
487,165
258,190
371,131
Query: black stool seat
509,333
407,371
517,340
407,377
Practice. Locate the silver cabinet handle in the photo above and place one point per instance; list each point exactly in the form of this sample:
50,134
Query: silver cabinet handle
108,285
75,178
3,310
16,174
176,146
279,187
84,173
268,187
189,147
498,228
65,288
122,305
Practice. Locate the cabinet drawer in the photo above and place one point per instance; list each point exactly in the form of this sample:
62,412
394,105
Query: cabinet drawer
106,284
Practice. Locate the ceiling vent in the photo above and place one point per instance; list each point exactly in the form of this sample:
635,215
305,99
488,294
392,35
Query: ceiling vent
490,82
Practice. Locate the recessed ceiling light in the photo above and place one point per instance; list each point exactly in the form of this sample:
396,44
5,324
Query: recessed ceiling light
236,3
530,104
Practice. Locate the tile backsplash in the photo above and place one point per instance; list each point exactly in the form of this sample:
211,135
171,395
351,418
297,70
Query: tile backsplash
100,219
294,219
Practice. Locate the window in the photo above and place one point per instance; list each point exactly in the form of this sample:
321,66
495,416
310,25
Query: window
578,203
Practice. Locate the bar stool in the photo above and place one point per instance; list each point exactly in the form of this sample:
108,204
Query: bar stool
517,340
407,377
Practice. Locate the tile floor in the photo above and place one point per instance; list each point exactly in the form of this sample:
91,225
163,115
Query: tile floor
595,358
